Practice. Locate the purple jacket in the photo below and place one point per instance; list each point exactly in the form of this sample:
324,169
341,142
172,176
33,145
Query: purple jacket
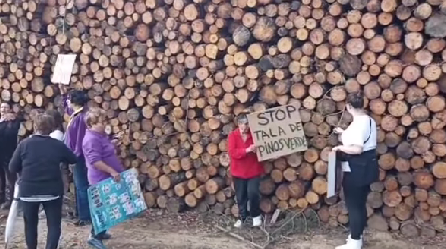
98,147
75,130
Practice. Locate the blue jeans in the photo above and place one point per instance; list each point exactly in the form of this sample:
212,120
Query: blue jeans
81,183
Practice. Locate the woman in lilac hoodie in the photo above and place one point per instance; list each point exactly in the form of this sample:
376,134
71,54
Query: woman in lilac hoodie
101,158
75,106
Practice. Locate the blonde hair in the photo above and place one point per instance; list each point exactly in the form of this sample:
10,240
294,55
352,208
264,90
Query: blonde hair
93,116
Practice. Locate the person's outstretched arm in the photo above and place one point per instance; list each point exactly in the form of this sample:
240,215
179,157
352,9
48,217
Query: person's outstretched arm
64,92
69,157
15,164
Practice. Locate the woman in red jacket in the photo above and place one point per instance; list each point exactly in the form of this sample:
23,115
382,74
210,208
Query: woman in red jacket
246,172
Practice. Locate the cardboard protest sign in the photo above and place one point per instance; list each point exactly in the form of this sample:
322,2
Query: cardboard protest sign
63,68
114,202
277,132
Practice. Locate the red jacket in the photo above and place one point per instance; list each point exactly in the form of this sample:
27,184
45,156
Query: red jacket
243,165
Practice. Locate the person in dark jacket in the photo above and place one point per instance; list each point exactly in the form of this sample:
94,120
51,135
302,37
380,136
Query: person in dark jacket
246,171
75,106
37,160
58,134
9,129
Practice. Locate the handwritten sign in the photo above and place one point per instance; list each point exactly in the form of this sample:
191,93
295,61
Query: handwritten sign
63,68
114,202
277,132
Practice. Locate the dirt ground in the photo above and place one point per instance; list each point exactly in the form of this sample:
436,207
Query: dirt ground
192,231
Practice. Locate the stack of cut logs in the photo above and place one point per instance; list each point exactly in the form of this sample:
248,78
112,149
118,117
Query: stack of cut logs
173,74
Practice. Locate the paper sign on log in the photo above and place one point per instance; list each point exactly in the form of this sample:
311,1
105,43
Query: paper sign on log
63,68
277,132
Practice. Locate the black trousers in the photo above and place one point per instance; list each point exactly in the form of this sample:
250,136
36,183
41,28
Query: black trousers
6,175
247,190
53,211
355,200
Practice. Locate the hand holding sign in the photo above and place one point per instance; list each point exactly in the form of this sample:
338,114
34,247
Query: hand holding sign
63,89
338,130
116,176
335,149
251,148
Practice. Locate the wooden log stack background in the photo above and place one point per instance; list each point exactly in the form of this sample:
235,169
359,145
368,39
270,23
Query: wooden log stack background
173,74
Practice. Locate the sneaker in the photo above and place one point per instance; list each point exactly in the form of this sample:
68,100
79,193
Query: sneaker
351,244
81,223
97,244
350,237
238,224
257,221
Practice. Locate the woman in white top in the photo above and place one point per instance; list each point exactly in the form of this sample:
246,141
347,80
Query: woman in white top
358,153
58,132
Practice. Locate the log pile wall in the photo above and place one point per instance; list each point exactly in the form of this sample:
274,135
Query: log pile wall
172,74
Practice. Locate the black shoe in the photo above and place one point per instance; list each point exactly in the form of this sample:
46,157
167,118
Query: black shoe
104,236
82,223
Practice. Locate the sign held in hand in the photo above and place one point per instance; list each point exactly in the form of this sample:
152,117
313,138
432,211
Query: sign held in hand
63,68
331,176
277,132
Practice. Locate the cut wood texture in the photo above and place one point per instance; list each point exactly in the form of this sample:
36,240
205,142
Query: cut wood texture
172,75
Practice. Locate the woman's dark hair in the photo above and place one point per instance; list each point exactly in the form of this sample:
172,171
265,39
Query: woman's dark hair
356,100
58,119
43,124
78,98
242,118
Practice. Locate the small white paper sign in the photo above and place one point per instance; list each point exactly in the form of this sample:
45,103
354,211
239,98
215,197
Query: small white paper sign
63,69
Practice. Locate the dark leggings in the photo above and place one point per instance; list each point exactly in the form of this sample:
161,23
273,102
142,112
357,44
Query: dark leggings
247,190
6,175
53,212
355,199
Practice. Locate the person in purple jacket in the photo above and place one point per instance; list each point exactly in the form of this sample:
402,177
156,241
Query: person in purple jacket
75,106
101,158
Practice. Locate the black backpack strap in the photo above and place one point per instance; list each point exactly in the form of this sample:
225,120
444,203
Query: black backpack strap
370,130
